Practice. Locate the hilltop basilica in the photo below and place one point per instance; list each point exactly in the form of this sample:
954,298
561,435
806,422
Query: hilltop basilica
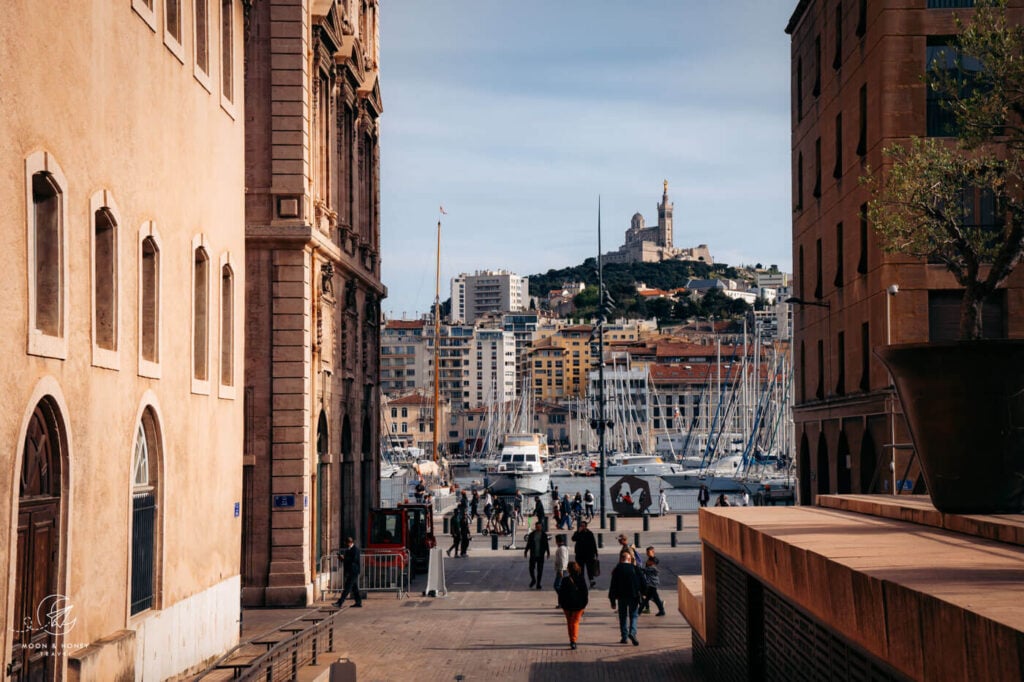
654,244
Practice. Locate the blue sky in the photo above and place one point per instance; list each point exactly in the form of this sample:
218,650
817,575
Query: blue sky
516,115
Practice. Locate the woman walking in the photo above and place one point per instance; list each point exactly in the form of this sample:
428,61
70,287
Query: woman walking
573,598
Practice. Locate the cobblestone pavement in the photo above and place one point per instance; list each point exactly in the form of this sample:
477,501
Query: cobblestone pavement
491,626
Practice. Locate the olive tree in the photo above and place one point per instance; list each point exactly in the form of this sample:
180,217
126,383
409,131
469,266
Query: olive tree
927,202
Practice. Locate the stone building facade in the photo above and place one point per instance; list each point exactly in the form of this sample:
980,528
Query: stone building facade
314,291
122,154
857,88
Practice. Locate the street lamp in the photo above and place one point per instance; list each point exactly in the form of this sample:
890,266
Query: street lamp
891,291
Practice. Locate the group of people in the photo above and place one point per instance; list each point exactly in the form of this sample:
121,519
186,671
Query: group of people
633,585
566,511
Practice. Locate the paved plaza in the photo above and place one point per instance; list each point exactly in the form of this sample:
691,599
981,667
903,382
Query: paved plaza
491,626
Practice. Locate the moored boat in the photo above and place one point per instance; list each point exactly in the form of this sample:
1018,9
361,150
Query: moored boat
522,465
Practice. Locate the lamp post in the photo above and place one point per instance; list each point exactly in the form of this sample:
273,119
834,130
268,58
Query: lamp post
891,291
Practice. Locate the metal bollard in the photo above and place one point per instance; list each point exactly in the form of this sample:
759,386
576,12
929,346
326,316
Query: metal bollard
679,521
647,522
445,524
611,522
674,541
600,540
479,524
494,542
636,540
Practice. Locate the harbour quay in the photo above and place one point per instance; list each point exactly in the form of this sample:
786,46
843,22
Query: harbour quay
489,625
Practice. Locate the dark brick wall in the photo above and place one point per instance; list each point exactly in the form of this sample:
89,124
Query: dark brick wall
761,636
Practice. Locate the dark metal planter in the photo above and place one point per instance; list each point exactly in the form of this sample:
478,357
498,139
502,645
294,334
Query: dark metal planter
964,405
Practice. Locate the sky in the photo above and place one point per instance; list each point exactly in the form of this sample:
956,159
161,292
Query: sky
517,116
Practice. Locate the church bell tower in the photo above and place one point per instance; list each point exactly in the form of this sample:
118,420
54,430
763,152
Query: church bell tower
665,219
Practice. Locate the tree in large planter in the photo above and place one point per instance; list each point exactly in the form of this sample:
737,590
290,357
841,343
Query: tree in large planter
957,201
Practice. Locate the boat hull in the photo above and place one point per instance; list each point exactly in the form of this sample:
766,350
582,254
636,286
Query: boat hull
528,483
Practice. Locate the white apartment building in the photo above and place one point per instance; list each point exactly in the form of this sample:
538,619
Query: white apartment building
487,291
492,367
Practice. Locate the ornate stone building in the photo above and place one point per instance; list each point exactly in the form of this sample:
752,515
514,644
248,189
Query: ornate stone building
654,244
122,157
314,290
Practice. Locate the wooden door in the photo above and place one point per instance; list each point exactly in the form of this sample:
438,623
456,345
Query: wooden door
36,568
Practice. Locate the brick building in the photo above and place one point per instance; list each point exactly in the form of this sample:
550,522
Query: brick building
856,89
313,298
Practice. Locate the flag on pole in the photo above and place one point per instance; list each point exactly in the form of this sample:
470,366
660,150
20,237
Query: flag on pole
443,212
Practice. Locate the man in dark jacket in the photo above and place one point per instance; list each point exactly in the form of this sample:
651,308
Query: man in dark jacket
352,564
586,550
538,550
624,592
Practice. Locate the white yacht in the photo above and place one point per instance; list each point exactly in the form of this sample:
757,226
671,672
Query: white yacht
627,464
522,465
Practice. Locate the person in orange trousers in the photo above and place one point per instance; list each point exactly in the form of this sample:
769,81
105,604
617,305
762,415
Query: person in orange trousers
573,597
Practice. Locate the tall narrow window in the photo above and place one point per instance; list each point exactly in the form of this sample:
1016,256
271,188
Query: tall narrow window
799,181
818,270
837,170
227,49
800,273
837,60
819,391
227,326
862,17
839,255
817,66
865,357
942,55
49,254
841,363
803,373
149,301
105,278
862,261
200,314
862,133
173,23
201,17
799,88
817,169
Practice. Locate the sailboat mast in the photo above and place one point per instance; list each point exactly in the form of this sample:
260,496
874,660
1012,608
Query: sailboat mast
437,338
602,423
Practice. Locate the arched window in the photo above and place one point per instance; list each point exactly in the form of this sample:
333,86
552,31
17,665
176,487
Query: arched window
149,303
200,314
227,326
145,524
47,261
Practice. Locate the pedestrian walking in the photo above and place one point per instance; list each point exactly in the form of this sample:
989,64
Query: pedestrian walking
465,537
351,563
474,506
455,529
537,550
704,495
624,545
722,501
588,502
573,598
561,559
662,502
586,550
624,591
651,584
538,512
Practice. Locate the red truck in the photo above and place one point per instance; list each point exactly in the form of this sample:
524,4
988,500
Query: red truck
408,526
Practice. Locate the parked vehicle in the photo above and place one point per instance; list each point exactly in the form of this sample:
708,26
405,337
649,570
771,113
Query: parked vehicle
409,526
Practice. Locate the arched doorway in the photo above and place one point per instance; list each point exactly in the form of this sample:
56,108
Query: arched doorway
145,565
345,482
824,482
868,464
37,568
805,470
843,466
320,524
